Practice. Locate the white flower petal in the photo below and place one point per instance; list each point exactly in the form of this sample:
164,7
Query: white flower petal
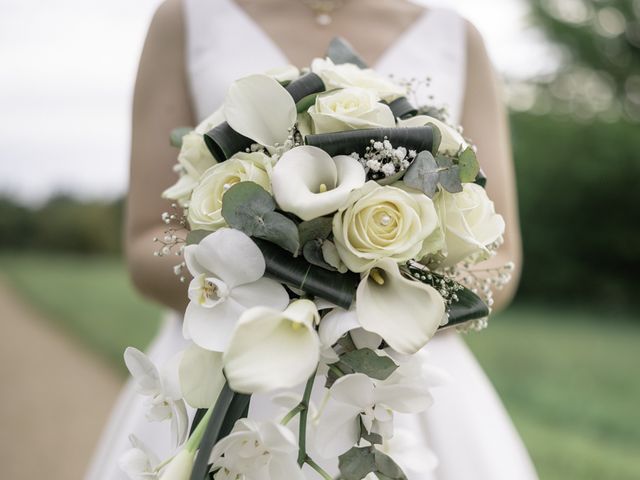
143,371
260,108
232,256
201,378
404,398
179,422
335,324
170,377
364,339
264,292
285,467
451,142
355,389
405,313
180,467
338,429
191,261
270,350
211,328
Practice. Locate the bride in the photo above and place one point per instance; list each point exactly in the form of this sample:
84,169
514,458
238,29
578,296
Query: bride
194,50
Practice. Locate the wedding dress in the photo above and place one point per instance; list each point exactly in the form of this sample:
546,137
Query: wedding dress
467,429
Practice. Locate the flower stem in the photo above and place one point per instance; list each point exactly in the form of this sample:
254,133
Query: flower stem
304,413
337,372
309,461
294,411
196,437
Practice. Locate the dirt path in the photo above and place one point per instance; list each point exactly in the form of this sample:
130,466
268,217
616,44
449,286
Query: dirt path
54,396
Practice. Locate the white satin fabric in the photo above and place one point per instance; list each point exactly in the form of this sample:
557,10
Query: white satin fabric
467,428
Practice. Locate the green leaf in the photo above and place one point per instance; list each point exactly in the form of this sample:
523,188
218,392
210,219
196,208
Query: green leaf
337,288
305,86
312,252
469,166
368,362
357,463
386,467
448,175
175,137
423,174
402,108
317,228
195,236
372,438
248,207
223,142
481,179
306,102
468,307
341,51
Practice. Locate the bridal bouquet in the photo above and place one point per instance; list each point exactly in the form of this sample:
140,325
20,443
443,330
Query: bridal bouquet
333,227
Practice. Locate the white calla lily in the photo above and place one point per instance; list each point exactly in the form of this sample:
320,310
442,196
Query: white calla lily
285,73
260,108
201,377
452,141
161,387
308,182
271,349
405,313
228,270
180,466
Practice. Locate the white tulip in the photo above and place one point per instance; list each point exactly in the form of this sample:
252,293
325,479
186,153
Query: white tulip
382,222
451,143
271,349
228,270
162,389
180,467
260,108
139,463
201,377
308,182
205,205
351,108
256,451
350,75
404,312
470,223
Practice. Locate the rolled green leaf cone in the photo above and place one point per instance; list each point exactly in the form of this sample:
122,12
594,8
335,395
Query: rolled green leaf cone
402,108
223,142
335,287
341,51
468,307
345,143
306,85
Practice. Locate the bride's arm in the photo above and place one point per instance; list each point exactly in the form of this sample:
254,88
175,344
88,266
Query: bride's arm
485,122
161,102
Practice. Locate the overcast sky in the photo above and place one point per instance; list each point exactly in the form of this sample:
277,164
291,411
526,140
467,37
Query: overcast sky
66,77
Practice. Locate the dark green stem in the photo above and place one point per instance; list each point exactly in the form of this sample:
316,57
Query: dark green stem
304,414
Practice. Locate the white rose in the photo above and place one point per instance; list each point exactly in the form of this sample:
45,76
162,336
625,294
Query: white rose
350,75
382,222
469,222
194,158
205,206
452,141
350,108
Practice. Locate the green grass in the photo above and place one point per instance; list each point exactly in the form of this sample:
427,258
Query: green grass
91,297
569,378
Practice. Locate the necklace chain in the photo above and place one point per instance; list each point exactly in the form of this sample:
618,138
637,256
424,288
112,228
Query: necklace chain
323,9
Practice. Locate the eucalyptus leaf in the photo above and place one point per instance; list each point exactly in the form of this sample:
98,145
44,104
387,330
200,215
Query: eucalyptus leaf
469,166
357,463
195,236
449,175
312,252
341,51
314,229
372,438
368,362
248,207
387,467
175,137
423,174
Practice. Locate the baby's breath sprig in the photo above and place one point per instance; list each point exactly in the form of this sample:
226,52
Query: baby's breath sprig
381,160
174,238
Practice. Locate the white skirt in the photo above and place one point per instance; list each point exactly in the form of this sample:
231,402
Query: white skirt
467,429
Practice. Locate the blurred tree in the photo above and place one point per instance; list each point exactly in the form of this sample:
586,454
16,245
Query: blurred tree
601,46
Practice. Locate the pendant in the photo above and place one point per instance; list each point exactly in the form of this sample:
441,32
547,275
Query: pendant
323,19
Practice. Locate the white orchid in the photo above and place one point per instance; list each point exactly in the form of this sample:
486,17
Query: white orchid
139,463
401,448
256,451
228,270
259,108
162,389
357,398
404,312
271,349
308,182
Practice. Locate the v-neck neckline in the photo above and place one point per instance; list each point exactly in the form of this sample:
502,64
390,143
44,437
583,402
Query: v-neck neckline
275,47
